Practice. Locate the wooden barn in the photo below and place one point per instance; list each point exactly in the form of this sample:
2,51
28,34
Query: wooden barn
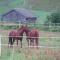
18,15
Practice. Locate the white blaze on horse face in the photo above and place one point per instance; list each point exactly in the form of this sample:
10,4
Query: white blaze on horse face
0,45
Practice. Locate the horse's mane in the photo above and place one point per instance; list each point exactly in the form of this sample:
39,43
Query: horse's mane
20,28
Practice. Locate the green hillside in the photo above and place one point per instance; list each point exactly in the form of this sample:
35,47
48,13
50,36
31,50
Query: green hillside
46,5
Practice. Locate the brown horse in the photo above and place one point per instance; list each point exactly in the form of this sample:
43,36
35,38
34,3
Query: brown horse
32,36
16,35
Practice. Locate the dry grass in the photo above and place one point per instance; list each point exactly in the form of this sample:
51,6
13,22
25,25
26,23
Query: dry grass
31,53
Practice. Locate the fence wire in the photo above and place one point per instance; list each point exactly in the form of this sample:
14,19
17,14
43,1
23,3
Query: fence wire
49,42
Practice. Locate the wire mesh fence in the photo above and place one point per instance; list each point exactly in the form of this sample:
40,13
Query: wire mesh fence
49,46
43,41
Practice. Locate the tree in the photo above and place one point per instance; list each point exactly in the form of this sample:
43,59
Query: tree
53,18
53,21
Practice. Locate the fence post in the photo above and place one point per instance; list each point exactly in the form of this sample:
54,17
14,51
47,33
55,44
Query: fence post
0,45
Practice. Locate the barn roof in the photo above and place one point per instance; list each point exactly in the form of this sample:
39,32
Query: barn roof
26,13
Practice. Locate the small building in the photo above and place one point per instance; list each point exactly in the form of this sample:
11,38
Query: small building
18,15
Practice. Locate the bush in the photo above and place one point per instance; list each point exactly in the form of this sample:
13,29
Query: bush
8,27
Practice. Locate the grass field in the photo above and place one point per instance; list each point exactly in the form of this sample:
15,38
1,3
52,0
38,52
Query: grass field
49,48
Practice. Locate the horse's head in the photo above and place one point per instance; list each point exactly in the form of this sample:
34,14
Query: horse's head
23,29
26,30
20,27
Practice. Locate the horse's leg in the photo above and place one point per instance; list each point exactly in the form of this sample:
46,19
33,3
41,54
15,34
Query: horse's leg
17,42
13,40
10,41
27,41
37,42
21,42
31,42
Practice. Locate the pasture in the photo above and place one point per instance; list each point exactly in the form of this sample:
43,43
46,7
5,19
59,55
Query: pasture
49,48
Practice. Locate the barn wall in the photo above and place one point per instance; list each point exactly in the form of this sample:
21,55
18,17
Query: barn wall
12,17
21,18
